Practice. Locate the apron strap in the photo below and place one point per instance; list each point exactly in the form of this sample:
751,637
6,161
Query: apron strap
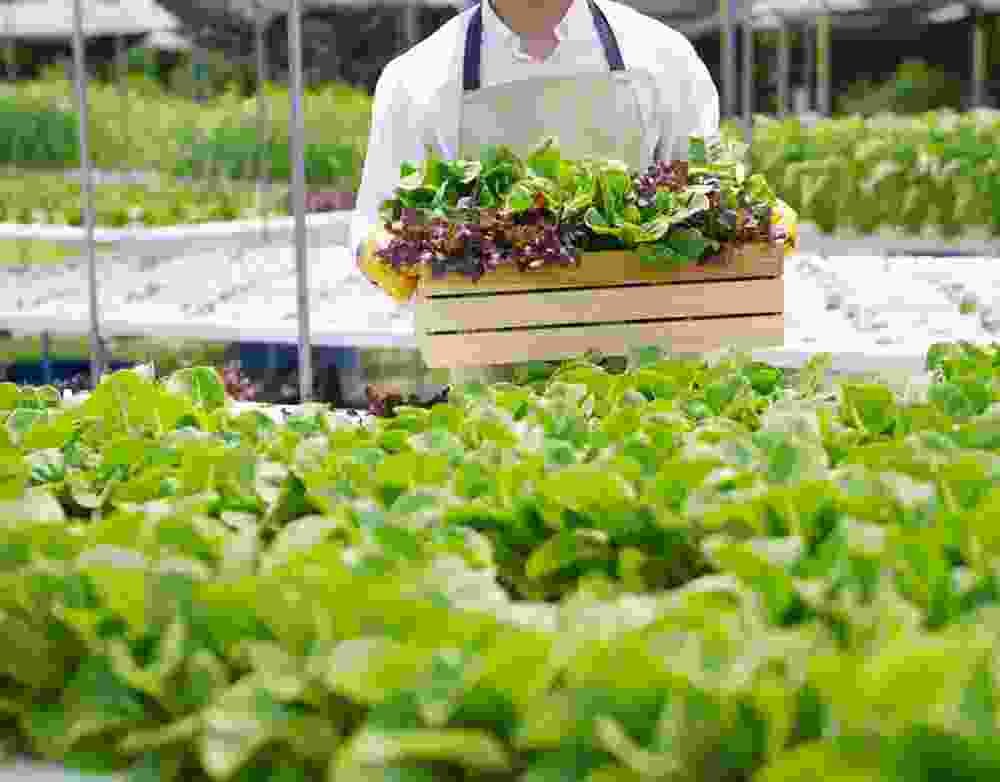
472,65
608,38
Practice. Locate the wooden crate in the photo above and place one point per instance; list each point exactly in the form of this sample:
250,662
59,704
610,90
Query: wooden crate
609,303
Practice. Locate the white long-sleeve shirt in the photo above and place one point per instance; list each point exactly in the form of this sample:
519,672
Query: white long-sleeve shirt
418,96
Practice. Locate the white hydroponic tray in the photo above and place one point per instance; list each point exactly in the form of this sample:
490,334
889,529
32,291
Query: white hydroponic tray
869,311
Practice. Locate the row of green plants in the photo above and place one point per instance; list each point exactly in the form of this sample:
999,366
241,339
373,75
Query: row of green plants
937,172
51,199
932,173
168,355
145,127
687,570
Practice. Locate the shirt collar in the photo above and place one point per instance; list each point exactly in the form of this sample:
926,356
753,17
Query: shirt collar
576,25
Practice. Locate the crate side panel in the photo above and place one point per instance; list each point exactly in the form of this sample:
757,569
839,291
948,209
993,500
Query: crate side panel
603,305
547,344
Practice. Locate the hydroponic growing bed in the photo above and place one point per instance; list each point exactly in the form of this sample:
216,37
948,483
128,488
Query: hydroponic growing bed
683,571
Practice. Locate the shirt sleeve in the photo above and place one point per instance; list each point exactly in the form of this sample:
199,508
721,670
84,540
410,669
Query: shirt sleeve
392,141
697,109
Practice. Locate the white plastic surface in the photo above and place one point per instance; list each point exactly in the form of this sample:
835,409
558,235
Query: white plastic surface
869,311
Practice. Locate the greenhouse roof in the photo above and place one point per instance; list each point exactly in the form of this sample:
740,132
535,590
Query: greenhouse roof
851,14
53,19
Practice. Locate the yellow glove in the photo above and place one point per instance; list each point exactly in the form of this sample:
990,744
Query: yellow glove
399,285
787,218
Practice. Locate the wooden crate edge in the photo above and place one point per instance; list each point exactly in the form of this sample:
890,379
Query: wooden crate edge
615,269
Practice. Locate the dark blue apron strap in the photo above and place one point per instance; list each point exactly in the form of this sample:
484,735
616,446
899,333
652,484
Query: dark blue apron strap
472,64
608,38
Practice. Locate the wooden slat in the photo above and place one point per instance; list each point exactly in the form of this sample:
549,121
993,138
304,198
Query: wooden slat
605,305
739,261
680,336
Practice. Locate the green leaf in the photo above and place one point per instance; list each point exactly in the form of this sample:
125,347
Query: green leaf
19,422
697,151
474,750
35,505
644,763
157,767
236,728
568,548
759,191
545,161
819,760
149,743
95,702
124,591
369,670
870,408
15,473
202,385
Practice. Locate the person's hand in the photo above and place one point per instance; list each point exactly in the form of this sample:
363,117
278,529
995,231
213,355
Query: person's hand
785,224
398,285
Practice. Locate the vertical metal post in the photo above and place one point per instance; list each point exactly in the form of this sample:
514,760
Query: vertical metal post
121,66
748,74
979,63
121,84
9,54
87,190
823,65
296,135
46,359
263,124
809,32
784,67
199,70
728,58
205,170
9,50
411,25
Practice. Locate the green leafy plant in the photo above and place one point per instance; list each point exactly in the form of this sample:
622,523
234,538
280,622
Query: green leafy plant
51,198
683,570
472,216
43,137
935,172
237,153
147,127
915,88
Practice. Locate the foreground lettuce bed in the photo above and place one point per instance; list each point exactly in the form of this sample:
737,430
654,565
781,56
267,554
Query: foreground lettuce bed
682,572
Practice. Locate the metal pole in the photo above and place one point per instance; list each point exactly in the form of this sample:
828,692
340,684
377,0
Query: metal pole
121,66
411,25
784,67
728,58
9,50
205,170
87,191
296,135
46,359
823,67
263,126
809,31
979,63
9,57
748,75
121,76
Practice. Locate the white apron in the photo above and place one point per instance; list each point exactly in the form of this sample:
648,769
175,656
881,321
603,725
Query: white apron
601,115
